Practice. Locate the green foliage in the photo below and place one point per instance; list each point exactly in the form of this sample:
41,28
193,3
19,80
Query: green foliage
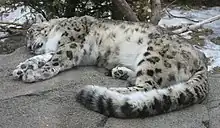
98,8
67,8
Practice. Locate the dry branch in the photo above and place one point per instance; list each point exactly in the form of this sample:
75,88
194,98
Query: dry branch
11,35
11,23
182,17
125,9
12,31
156,11
197,25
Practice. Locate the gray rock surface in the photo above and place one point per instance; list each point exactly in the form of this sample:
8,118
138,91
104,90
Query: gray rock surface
51,103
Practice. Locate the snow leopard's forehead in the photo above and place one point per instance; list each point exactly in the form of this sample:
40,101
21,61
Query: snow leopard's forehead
38,28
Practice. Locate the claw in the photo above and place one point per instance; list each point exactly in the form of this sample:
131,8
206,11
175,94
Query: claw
17,73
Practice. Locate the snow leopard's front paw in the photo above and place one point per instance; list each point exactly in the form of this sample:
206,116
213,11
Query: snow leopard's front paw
33,73
23,67
28,71
40,74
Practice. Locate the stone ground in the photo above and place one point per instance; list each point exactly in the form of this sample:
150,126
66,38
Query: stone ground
51,103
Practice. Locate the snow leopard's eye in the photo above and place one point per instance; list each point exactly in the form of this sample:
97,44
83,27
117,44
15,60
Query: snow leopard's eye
39,45
29,31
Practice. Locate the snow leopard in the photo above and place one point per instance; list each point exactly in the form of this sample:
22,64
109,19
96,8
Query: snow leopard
166,72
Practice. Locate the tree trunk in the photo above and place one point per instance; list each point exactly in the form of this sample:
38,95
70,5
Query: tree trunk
116,14
156,11
123,7
70,8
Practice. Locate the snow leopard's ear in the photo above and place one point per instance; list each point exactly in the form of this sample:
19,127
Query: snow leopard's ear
39,18
86,19
40,25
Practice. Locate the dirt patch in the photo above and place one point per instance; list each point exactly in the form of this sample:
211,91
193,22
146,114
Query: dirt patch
11,44
199,35
216,40
216,70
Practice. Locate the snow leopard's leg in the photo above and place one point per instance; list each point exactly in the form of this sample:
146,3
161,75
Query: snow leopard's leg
66,57
147,75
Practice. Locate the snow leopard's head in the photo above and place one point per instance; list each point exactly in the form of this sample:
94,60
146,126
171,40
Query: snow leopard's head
36,37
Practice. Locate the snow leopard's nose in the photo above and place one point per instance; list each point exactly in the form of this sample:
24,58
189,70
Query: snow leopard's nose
29,47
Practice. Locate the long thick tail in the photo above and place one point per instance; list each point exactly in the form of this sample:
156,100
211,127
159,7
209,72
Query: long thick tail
143,104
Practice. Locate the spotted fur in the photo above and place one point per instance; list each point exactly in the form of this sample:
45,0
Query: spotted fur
166,72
